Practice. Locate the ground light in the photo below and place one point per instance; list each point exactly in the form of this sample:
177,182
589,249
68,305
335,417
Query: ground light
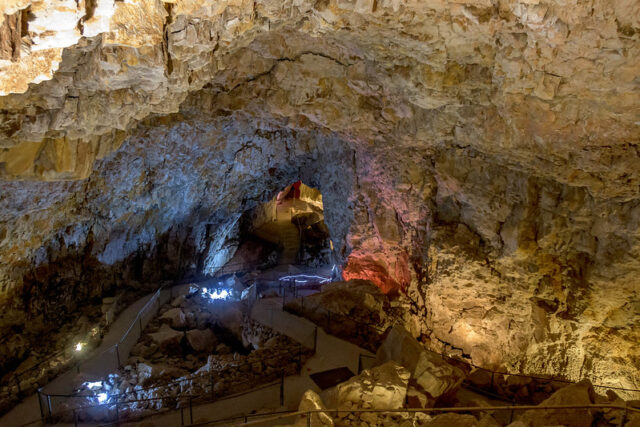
94,384
102,397
79,346
215,293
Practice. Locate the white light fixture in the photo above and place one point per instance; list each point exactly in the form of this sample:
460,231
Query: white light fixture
79,346
102,397
215,293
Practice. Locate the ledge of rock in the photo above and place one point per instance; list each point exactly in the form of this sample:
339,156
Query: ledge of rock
478,162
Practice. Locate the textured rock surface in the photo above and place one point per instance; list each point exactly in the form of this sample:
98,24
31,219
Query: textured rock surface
478,156
433,374
382,387
311,401
581,393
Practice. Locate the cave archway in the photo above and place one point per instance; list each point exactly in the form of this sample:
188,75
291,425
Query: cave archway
288,230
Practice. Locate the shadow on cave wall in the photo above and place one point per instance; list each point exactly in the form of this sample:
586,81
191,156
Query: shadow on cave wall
62,278
71,280
74,282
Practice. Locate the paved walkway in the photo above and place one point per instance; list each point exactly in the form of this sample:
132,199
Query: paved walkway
29,409
331,352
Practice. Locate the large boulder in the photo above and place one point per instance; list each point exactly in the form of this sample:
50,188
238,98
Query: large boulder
230,317
176,318
167,339
153,372
433,374
311,401
201,341
383,387
581,393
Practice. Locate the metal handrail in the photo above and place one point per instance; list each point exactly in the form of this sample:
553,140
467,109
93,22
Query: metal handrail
274,416
173,382
52,356
456,360
209,397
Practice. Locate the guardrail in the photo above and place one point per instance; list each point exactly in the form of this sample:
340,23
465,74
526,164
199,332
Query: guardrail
109,359
122,407
271,417
370,336
103,363
42,372
291,290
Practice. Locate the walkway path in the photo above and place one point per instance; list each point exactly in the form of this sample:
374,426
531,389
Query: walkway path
331,352
281,230
29,409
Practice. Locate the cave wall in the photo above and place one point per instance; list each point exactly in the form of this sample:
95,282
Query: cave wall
477,158
163,207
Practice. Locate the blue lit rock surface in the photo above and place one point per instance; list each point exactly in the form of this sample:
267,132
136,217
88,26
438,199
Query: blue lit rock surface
477,157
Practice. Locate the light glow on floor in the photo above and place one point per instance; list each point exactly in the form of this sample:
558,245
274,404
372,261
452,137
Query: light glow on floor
216,294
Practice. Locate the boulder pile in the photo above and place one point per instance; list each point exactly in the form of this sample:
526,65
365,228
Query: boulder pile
408,377
356,311
194,347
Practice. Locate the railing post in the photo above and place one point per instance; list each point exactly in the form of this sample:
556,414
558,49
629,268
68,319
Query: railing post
191,409
284,293
117,411
40,404
75,417
118,355
17,378
315,339
211,381
623,418
359,363
282,389
182,415
308,419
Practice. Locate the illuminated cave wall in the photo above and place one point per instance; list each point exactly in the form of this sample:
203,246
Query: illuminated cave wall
477,158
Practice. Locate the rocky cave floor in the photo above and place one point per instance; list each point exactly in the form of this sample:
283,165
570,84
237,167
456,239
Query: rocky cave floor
57,344
199,347
408,376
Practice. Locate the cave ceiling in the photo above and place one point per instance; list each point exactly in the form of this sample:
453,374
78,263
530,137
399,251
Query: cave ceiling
478,156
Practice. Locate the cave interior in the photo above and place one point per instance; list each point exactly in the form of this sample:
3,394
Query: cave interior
391,208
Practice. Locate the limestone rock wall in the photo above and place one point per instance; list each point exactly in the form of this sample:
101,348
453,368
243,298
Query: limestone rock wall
478,158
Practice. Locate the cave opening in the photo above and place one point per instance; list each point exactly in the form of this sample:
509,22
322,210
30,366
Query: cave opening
285,236
190,199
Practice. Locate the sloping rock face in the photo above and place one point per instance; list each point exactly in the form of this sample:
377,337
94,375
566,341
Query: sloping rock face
382,387
476,157
431,373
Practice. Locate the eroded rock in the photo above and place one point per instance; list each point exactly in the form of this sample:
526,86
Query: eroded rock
430,371
382,387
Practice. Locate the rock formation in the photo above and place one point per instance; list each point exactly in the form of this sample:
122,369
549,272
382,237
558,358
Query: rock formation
478,159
